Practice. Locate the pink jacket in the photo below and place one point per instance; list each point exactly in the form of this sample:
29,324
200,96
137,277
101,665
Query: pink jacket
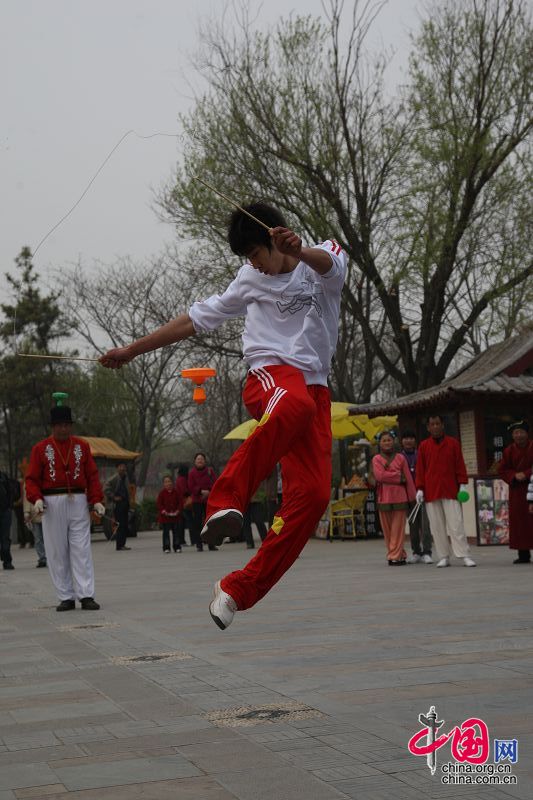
394,482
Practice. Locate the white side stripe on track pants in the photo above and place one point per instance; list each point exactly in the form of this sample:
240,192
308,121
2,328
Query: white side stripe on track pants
265,378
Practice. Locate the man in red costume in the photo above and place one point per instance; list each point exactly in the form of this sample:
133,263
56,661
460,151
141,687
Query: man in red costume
62,480
516,468
440,475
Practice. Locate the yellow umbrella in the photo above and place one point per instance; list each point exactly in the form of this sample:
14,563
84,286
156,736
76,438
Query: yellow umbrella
339,410
342,424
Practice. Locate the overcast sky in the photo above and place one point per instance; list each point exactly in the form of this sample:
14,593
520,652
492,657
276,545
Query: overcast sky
80,73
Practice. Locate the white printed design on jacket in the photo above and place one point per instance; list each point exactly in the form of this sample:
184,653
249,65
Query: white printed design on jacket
77,460
51,456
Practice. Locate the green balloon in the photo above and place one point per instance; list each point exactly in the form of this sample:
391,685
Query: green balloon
463,497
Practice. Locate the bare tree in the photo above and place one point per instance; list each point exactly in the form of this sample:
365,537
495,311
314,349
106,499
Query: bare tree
119,304
428,193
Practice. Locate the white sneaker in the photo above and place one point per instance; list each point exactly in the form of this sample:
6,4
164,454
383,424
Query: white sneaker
222,608
414,559
444,562
469,562
227,522
426,558
166,551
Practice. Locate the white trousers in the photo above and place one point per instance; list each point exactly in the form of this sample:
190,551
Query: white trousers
446,520
67,541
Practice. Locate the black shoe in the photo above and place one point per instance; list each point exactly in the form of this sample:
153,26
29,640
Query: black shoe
250,546
123,548
522,561
227,522
89,604
42,562
66,605
213,547
9,566
199,548
400,563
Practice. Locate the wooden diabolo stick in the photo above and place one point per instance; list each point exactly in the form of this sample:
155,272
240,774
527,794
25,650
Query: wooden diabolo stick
64,358
232,202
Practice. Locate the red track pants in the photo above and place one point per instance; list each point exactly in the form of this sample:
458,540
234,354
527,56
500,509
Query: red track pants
295,430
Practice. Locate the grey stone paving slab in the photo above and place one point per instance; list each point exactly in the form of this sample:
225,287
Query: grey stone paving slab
201,788
65,711
27,690
39,792
106,758
280,733
124,685
210,700
117,773
339,773
17,776
371,789
284,783
39,754
30,739
317,758
160,710
228,755
163,738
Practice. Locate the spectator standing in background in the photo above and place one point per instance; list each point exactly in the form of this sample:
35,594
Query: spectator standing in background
440,475
200,481
6,516
117,494
395,491
169,510
419,532
515,468
34,520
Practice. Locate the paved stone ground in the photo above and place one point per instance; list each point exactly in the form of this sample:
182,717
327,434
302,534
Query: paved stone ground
366,647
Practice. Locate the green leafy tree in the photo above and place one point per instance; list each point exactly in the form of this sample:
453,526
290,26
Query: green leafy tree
32,323
428,192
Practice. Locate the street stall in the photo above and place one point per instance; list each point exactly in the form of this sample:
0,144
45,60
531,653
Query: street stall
107,454
477,404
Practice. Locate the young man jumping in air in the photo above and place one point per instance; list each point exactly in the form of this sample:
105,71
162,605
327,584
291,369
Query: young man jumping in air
289,296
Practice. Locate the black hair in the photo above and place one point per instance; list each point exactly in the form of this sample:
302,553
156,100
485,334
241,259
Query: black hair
408,434
183,470
119,463
434,416
387,432
244,234
200,454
